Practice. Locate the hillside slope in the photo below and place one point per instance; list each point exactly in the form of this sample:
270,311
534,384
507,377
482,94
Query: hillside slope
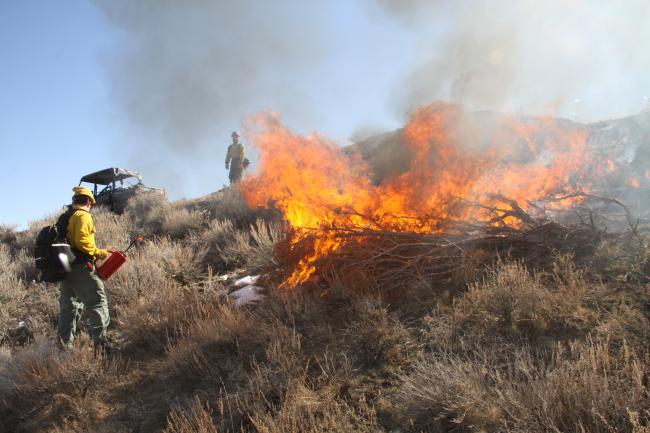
562,345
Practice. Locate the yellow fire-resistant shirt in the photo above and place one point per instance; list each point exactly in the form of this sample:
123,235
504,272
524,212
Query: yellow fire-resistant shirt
81,234
235,153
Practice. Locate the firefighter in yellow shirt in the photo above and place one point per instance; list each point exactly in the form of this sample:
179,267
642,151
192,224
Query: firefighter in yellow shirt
235,159
82,288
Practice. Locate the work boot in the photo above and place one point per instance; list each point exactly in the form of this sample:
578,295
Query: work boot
105,348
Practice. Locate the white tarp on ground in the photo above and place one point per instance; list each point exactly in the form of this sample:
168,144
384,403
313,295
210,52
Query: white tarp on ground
247,295
248,280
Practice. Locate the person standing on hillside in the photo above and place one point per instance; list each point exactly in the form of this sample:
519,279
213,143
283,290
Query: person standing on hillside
82,288
235,159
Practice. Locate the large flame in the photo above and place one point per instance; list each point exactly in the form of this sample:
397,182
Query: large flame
455,159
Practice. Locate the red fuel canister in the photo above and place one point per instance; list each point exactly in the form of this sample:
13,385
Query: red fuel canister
111,264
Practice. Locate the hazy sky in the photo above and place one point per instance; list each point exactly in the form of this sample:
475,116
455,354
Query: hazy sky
158,85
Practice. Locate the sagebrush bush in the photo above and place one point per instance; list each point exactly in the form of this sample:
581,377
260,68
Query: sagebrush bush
195,418
8,236
178,222
585,387
12,288
513,303
111,231
147,212
52,387
377,340
229,204
227,247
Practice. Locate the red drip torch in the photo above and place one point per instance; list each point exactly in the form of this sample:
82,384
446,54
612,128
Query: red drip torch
115,260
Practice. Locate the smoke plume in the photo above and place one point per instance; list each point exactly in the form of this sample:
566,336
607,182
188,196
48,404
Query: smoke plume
188,70
581,59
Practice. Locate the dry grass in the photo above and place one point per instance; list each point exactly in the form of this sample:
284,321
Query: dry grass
578,387
503,349
196,418
511,302
41,386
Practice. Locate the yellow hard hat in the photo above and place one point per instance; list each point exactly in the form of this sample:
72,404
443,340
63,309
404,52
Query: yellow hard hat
80,190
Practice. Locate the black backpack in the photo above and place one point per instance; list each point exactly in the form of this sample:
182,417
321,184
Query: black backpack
53,253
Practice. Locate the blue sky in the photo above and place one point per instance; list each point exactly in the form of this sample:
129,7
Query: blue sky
52,104
59,119
158,85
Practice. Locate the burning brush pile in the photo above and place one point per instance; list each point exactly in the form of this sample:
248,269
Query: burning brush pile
465,189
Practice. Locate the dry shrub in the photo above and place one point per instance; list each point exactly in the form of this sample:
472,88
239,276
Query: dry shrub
152,214
229,204
513,303
26,266
155,305
111,230
307,410
265,236
178,222
250,361
626,324
583,388
147,212
212,342
41,386
196,418
184,264
12,289
143,270
228,247
8,236
150,320
376,340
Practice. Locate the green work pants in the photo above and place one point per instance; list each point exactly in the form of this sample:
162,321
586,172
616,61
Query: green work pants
82,289
236,170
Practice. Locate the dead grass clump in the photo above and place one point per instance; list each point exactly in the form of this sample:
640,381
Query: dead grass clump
308,410
178,222
228,247
585,387
626,324
154,289
148,322
446,392
8,236
26,266
112,231
41,387
184,264
240,363
211,343
195,418
377,340
143,270
147,212
513,303
265,236
230,204
12,289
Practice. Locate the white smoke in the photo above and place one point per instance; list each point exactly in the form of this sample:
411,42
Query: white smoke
583,59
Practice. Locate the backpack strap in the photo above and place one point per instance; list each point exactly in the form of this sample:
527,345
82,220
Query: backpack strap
63,221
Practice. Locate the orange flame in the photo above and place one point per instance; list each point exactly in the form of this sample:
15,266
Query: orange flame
322,192
635,183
